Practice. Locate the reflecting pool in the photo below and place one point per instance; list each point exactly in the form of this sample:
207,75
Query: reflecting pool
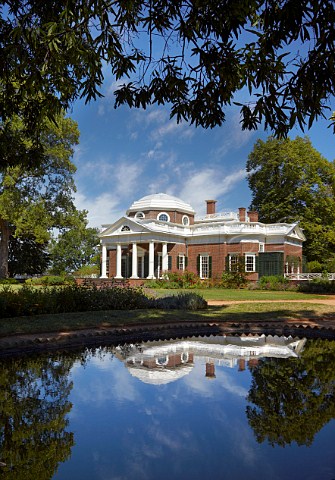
256,407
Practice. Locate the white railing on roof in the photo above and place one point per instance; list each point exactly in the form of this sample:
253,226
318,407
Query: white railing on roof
217,216
309,276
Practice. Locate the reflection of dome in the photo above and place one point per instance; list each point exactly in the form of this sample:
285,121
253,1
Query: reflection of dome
159,376
160,201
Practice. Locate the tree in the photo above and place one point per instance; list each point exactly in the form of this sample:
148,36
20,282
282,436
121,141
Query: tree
292,400
290,181
27,257
74,249
34,410
37,199
193,55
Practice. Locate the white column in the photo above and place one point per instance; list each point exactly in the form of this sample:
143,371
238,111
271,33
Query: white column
104,262
118,261
165,258
151,260
134,262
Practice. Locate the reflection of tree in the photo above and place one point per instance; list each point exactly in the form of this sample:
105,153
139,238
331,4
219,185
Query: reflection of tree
33,407
293,399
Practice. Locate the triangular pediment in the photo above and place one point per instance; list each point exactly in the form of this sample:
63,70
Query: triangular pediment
123,226
296,231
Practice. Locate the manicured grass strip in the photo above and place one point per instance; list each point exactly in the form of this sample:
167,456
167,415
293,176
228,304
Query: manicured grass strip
240,295
238,313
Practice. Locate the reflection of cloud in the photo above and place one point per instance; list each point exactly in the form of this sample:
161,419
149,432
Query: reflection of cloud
106,381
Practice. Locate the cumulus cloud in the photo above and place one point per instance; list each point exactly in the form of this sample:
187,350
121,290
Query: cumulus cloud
105,208
234,137
209,183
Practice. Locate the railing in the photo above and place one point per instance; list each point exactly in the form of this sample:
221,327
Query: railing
309,276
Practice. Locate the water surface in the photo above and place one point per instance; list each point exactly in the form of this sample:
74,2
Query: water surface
217,407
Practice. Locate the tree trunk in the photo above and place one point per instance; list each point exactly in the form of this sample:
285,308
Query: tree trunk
4,247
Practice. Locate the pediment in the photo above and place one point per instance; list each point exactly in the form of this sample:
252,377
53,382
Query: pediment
296,232
123,226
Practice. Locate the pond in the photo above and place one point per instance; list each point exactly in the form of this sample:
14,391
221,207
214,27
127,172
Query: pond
255,407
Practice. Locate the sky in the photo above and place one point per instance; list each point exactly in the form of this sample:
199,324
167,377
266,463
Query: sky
125,154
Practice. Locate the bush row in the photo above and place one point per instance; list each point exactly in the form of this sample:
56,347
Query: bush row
73,298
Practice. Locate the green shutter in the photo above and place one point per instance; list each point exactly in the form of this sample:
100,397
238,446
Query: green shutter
270,263
198,265
186,262
146,265
210,267
169,262
256,263
227,262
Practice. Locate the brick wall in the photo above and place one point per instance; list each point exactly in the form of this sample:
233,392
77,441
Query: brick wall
175,217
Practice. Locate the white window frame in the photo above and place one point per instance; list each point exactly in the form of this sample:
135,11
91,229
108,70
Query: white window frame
163,213
185,221
181,262
261,247
234,256
250,266
204,266
139,215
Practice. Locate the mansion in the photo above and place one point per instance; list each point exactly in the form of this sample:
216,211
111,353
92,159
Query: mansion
161,233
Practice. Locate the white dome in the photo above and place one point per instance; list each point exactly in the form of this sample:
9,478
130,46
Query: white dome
160,201
159,376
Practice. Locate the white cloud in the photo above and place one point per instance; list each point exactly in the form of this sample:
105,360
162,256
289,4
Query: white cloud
104,208
208,184
233,138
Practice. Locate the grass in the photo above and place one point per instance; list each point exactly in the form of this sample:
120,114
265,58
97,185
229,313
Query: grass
240,294
266,312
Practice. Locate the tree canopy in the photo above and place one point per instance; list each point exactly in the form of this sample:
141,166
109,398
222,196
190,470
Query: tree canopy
35,200
193,55
74,249
290,401
291,181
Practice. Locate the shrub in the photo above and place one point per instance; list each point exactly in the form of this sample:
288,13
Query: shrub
233,280
183,301
8,281
275,282
319,285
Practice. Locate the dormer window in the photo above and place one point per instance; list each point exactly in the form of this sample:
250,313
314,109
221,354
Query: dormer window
185,220
125,228
139,215
163,217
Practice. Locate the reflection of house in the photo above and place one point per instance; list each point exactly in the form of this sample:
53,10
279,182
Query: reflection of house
161,233
166,361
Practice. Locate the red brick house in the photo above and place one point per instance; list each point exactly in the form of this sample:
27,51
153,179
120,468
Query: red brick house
161,233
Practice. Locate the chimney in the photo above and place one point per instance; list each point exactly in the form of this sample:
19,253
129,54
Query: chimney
253,216
241,214
210,206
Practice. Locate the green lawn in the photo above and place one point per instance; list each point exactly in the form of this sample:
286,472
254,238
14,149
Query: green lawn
239,294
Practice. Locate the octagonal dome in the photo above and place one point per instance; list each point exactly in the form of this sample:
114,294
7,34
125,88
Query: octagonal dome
160,201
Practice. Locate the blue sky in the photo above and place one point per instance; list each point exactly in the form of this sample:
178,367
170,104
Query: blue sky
125,154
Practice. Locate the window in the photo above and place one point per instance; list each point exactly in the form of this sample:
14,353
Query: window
162,360
250,263
233,263
261,247
125,228
163,217
204,266
186,220
181,262
139,215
